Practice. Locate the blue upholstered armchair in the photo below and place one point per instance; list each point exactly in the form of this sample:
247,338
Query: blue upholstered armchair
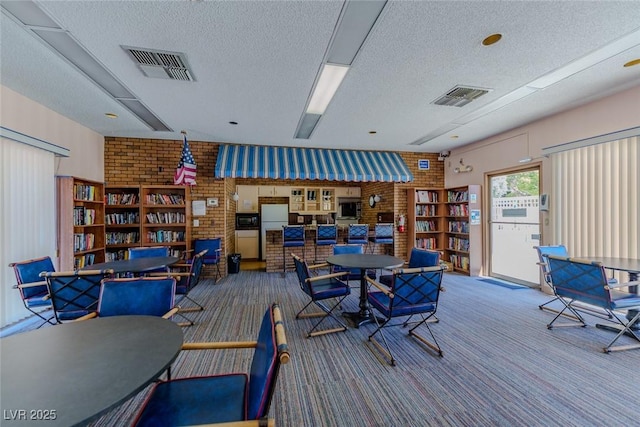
213,254
224,397
33,289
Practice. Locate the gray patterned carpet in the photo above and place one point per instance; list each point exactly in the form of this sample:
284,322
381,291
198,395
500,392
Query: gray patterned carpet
501,366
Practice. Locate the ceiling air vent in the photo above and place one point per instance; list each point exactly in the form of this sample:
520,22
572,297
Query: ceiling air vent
161,64
460,96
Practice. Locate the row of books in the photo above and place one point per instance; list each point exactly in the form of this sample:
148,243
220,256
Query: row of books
457,196
84,192
122,218
458,227
458,244
425,196
161,236
427,243
83,216
458,210
119,238
122,199
426,226
426,210
83,241
117,255
166,218
164,199
459,261
83,260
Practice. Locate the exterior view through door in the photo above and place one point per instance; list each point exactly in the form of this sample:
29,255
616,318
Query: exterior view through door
515,226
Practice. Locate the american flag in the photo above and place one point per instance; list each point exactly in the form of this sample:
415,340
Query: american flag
186,171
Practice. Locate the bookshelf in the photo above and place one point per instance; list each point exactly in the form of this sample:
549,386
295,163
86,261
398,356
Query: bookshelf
165,217
463,229
425,219
122,220
80,222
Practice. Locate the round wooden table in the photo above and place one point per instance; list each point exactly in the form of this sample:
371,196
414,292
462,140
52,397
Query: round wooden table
363,262
69,374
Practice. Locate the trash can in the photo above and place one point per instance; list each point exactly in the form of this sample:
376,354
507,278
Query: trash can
233,263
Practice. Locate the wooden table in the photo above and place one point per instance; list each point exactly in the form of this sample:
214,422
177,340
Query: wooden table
70,374
136,265
363,262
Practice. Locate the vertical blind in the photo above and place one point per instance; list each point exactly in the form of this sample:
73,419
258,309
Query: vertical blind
595,200
27,216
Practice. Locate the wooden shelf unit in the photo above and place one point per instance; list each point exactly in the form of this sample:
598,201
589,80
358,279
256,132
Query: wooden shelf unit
80,222
425,219
463,229
166,217
122,220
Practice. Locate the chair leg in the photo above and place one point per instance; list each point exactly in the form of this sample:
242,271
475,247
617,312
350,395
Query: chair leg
625,329
385,350
327,314
198,307
433,344
579,320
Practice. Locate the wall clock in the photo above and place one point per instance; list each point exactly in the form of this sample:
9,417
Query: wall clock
372,200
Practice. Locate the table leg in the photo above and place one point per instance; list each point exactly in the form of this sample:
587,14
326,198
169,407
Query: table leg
633,276
363,316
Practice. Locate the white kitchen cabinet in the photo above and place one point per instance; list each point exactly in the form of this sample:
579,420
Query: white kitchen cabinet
273,191
347,192
248,201
247,243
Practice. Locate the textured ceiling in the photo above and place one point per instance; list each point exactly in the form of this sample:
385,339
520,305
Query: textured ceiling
255,63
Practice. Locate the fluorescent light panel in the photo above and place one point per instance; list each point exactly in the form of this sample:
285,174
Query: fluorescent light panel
330,78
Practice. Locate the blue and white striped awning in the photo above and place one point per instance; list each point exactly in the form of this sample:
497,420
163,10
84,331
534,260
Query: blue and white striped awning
257,161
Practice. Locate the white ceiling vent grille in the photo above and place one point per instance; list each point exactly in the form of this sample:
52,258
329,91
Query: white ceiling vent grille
161,64
460,96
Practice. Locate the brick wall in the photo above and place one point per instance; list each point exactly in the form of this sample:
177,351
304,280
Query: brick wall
134,161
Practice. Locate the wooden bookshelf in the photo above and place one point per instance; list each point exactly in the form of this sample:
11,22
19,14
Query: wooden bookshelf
122,220
463,229
166,217
80,223
425,219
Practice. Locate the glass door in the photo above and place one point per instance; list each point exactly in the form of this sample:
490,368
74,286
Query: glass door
515,226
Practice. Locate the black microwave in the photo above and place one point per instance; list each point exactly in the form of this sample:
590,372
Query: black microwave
247,221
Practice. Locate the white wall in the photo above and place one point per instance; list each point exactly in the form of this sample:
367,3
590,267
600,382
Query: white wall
23,115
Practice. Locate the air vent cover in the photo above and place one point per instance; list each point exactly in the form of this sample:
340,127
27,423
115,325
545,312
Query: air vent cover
460,96
161,64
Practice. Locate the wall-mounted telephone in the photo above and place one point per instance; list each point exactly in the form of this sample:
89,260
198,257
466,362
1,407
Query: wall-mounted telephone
544,202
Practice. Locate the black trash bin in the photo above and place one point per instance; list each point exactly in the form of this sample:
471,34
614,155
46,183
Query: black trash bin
233,263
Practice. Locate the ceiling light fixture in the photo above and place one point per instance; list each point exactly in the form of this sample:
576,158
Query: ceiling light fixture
111,115
492,39
632,63
330,78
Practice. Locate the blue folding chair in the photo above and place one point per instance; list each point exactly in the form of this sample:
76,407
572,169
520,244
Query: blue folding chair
148,252
413,292
382,235
33,290
224,397
351,273
418,258
213,254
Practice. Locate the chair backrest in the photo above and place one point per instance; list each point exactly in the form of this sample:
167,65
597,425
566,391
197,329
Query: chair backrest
580,279
148,296
270,353
326,234
543,252
383,231
74,293
423,258
293,235
186,282
213,249
29,272
147,252
358,233
354,273
415,290
302,271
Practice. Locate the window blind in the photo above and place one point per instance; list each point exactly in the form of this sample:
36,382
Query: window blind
27,216
595,203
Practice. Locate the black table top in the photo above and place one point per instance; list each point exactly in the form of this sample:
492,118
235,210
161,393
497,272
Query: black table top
365,261
622,264
76,371
136,265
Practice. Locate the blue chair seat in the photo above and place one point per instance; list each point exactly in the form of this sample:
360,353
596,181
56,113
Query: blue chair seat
382,303
329,288
38,300
190,401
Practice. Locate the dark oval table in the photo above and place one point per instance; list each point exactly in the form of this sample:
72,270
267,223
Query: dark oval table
363,262
70,374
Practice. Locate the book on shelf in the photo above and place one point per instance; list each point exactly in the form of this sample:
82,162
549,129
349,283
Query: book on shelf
426,196
457,196
122,199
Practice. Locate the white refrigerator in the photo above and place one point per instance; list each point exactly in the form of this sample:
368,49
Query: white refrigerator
272,217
